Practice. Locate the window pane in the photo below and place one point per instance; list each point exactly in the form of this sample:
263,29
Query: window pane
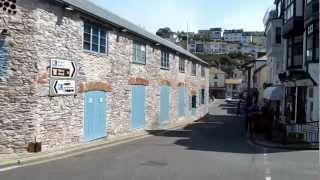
86,45
95,40
87,37
95,31
95,47
103,33
134,52
87,28
164,60
102,42
167,60
102,49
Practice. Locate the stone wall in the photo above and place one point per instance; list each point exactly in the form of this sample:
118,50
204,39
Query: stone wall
41,31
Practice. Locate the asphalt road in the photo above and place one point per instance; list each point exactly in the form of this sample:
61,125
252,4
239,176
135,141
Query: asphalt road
213,149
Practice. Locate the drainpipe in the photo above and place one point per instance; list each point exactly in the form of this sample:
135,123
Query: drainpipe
248,95
296,107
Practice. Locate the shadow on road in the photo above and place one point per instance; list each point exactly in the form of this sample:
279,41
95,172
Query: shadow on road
219,133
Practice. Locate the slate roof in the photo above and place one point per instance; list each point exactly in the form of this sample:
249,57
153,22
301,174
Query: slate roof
90,8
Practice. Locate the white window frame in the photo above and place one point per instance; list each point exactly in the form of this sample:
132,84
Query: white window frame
139,48
100,37
182,65
165,60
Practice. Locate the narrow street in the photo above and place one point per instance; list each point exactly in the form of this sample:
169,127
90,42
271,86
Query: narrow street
213,149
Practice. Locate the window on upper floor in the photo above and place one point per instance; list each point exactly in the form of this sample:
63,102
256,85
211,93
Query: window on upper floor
203,72
194,69
165,60
279,8
94,38
182,65
278,35
295,52
216,76
139,52
288,10
308,1
312,43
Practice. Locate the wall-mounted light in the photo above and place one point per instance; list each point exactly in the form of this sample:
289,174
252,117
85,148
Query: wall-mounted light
124,30
5,32
69,8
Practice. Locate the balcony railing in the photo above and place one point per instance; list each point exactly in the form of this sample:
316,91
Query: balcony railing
308,130
296,62
293,18
311,9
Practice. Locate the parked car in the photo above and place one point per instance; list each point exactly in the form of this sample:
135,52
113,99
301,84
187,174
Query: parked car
228,99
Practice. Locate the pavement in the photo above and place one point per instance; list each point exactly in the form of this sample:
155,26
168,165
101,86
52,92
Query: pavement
214,148
260,140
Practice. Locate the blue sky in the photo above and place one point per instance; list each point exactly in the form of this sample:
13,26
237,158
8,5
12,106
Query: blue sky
199,14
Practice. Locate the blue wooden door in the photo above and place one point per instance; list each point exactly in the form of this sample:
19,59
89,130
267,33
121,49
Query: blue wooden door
95,119
164,103
3,58
181,102
138,106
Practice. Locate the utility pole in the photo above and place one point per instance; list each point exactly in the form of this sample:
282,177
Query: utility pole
248,103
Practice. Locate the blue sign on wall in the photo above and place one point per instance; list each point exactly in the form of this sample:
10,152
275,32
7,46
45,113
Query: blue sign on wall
3,58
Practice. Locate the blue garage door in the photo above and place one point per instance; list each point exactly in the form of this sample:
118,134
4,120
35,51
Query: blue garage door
181,102
95,108
137,106
164,103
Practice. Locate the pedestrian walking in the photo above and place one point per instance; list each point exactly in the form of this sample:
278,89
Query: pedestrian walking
239,107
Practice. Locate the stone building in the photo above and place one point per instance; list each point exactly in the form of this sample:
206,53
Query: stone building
234,35
72,72
233,87
216,83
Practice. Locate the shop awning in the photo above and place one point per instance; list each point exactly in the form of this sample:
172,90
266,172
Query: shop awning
273,93
297,78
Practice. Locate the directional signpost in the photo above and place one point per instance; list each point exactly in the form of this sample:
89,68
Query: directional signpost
62,68
63,87
62,77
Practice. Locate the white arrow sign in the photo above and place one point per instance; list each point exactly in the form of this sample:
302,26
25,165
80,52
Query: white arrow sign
64,87
62,68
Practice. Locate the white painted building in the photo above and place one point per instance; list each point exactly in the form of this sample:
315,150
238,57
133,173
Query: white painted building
216,83
233,87
292,30
216,33
234,35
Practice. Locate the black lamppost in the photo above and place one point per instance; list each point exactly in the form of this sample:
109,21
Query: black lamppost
248,67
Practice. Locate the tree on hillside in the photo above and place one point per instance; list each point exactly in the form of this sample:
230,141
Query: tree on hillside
225,62
165,32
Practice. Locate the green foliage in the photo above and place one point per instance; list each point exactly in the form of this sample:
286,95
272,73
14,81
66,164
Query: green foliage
225,62
164,32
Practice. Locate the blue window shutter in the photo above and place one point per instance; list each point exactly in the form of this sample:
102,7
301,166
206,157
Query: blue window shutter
3,58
